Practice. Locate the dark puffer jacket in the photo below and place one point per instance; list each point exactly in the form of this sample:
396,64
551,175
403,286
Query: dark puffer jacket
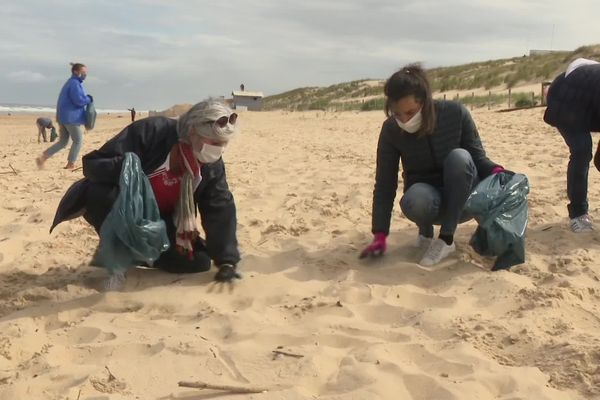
422,157
574,101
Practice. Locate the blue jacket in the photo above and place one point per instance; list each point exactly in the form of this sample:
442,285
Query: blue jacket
70,109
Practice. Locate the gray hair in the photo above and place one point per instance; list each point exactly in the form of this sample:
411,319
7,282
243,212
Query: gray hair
200,118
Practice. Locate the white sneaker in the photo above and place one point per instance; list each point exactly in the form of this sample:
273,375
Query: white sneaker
423,242
582,223
437,251
115,281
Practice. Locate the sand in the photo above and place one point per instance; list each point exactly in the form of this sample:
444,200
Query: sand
384,329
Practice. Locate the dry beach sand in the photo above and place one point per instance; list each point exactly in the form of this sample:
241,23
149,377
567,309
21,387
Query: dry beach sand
384,329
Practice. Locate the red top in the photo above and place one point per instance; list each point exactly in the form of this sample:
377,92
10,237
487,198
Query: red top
166,185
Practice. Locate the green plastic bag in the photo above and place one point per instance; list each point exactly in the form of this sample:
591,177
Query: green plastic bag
499,205
90,116
133,232
53,134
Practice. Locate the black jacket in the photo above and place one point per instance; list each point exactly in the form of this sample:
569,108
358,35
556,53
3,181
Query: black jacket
152,139
422,157
574,101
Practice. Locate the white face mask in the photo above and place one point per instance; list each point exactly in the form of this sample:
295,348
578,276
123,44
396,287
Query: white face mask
413,124
209,153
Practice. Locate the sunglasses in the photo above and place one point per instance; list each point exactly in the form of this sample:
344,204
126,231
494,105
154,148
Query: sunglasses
222,122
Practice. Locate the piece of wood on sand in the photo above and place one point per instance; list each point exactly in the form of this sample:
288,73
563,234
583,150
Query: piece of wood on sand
230,388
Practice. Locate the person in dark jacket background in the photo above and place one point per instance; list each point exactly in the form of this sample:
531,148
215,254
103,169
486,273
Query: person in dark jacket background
182,159
133,112
442,159
573,107
70,114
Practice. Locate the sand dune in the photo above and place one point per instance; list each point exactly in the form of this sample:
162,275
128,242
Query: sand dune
384,329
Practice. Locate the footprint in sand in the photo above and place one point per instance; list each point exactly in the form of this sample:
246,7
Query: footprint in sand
387,314
355,294
35,218
424,387
83,335
119,306
351,375
386,335
100,354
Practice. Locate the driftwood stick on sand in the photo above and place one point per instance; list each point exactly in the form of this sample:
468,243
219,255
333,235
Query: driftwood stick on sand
288,354
76,169
13,170
227,388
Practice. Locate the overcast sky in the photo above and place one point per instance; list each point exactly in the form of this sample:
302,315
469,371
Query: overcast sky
152,54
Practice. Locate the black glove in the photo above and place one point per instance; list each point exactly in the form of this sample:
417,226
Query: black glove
227,273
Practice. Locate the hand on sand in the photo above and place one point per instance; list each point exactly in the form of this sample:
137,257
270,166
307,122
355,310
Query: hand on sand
227,273
376,248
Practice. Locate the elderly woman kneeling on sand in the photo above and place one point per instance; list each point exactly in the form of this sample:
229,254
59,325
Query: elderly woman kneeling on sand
182,161
442,159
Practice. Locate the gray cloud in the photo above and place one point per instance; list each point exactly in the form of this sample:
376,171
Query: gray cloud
25,76
153,53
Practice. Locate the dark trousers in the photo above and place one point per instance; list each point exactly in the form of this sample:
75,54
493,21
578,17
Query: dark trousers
100,199
580,148
427,205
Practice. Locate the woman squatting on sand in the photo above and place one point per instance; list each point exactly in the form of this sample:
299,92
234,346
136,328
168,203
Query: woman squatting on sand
442,159
182,159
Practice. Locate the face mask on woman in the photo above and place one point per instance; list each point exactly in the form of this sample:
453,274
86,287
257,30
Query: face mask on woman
413,124
209,153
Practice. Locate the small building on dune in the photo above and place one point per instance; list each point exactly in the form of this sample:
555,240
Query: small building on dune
244,100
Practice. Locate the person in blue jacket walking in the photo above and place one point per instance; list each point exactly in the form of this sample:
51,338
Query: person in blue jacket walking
70,114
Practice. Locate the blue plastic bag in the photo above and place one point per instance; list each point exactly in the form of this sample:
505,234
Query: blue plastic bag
133,232
499,205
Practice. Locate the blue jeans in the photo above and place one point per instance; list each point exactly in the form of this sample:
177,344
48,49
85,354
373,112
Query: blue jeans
64,132
427,205
580,147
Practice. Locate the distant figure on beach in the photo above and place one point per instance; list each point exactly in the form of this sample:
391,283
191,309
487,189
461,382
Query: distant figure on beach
132,110
182,159
42,124
70,115
442,158
573,107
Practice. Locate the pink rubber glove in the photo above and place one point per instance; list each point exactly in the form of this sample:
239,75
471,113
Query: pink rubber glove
376,248
497,169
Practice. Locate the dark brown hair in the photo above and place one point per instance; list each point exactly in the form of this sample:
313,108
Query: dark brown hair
76,67
411,80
